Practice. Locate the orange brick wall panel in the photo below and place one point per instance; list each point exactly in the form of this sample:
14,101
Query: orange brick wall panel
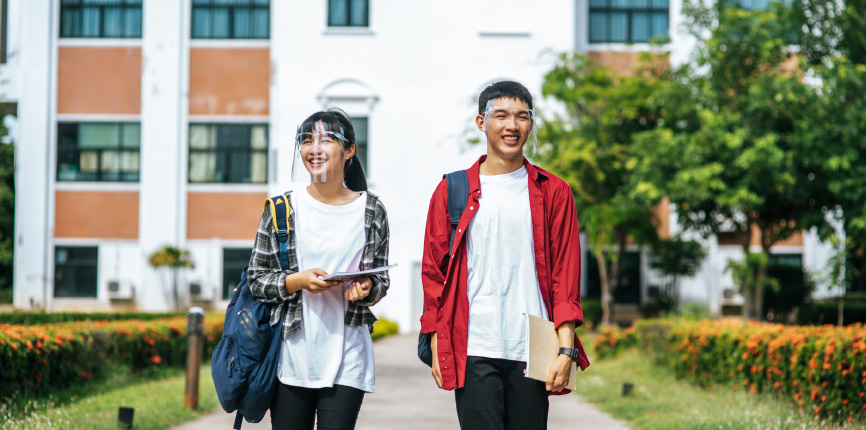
224,215
625,63
96,214
99,80
229,81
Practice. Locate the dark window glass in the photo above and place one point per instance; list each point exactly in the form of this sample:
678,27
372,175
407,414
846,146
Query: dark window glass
75,270
228,153
348,13
98,151
231,19
360,126
628,290
234,263
100,18
627,21
788,260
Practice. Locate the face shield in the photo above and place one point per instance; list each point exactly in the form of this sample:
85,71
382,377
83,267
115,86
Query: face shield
319,155
500,116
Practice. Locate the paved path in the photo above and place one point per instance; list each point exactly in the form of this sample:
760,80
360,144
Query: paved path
407,398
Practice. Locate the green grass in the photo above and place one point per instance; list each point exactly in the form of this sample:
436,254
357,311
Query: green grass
661,402
157,396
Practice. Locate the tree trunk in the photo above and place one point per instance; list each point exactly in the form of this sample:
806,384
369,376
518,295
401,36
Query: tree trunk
176,299
840,320
606,294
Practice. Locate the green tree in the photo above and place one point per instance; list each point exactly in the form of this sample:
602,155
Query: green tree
734,149
7,215
170,260
674,258
835,44
591,148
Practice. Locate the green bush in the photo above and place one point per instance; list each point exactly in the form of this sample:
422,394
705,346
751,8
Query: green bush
40,318
37,359
591,312
384,327
821,369
827,311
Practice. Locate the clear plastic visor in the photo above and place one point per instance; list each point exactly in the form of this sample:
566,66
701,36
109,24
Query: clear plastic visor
515,119
319,153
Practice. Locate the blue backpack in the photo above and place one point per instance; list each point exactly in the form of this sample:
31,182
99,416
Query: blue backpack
244,362
458,189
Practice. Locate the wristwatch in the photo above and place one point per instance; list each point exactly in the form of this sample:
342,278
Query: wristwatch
571,352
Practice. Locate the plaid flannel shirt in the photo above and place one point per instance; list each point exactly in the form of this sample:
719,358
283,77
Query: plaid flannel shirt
268,280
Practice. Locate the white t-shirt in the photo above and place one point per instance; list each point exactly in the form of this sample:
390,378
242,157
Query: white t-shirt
326,351
502,283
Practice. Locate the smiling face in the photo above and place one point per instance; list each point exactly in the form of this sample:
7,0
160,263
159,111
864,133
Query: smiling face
323,154
507,123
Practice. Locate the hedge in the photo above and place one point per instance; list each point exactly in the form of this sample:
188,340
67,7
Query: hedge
821,369
39,358
38,318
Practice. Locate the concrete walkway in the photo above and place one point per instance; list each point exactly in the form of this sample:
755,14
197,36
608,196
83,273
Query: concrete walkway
407,398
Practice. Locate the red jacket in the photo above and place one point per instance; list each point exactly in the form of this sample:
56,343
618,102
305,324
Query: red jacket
557,262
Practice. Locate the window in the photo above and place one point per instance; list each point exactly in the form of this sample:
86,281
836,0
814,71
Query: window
627,21
231,19
761,4
4,30
348,13
628,289
228,153
98,151
234,263
787,260
100,18
75,271
360,126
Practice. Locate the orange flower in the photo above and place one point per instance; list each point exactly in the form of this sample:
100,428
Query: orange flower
156,359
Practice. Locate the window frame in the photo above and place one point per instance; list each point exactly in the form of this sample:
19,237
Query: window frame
348,23
119,148
80,5
608,10
230,282
210,6
227,150
75,266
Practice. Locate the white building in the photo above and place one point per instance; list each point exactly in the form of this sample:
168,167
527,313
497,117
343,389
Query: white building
144,123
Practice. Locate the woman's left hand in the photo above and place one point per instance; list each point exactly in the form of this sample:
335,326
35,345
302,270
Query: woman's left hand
359,288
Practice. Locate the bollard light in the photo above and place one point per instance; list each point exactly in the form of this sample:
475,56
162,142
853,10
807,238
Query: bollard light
626,388
124,417
194,344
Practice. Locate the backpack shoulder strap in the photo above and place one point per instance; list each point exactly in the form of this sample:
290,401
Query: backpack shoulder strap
458,190
280,212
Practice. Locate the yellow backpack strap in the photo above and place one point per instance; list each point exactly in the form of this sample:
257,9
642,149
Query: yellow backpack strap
280,212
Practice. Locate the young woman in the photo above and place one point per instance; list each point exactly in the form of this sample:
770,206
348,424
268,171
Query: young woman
335,225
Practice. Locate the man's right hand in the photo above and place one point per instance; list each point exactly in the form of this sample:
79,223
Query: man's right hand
437,374
309,280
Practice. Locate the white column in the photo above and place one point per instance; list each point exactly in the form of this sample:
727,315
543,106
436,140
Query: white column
162,210
34,154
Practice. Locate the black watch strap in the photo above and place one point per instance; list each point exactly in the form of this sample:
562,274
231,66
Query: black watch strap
571,352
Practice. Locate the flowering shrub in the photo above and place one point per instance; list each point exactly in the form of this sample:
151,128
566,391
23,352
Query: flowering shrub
612,340
384,327
820,368
39,358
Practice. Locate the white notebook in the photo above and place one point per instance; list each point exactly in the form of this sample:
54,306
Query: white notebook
542,345
350,275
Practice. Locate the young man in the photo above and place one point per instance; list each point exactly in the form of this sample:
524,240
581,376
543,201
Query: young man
516,250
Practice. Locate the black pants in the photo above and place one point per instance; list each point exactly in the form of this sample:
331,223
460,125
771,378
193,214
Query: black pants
497,396
334,408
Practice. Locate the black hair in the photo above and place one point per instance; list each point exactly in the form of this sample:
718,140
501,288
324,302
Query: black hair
335,119
506,89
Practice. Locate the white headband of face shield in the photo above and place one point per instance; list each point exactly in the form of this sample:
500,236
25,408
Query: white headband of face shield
520,119
319,148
